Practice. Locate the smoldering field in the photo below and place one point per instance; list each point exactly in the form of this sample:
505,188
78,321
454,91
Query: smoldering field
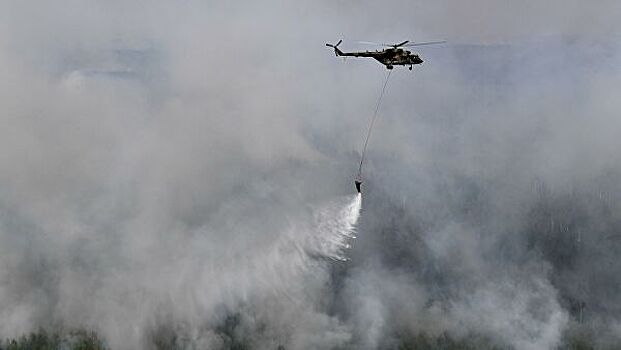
168,172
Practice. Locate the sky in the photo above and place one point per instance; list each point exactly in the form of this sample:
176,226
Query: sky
175,166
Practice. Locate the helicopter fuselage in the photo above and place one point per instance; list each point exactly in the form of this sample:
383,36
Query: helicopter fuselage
388,57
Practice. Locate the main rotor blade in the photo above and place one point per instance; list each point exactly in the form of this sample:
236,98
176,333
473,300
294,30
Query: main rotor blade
403,44
369,43
426,43
380,44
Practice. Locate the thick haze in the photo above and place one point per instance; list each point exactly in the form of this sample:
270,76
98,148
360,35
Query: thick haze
169,168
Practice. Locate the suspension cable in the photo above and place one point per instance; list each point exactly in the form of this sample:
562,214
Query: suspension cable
366,141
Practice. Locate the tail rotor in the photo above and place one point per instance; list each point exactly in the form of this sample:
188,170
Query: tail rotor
337,52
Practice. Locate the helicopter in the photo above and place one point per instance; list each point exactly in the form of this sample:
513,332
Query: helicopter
392,56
